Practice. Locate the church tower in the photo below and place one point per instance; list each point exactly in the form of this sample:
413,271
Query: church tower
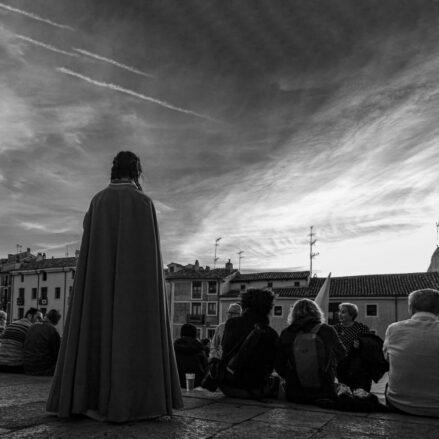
434,264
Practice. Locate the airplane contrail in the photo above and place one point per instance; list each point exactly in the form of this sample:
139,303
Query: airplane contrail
35,17
46,46
135,94
112,61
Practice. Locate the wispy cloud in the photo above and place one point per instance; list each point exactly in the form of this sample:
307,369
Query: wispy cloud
43,228
35,17
135,94
113,62
45,46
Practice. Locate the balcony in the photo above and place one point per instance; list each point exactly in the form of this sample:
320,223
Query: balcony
197,319
20,301
42,301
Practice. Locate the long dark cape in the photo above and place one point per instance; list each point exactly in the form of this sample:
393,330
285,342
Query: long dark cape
116,357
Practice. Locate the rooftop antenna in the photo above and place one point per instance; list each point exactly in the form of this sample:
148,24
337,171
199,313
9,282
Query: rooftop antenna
437,234
239,259
67,251
312,254
216,246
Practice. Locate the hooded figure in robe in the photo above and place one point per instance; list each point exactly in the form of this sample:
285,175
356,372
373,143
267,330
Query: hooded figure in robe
116,361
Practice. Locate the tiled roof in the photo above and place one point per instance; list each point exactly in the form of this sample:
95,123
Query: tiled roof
190,273
48,263
271,275
373,285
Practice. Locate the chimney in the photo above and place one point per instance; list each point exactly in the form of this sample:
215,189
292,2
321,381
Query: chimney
229,267
197,266
28,249
39,257
207,268
44,255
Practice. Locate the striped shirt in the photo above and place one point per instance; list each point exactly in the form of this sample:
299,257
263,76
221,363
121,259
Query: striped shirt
12,340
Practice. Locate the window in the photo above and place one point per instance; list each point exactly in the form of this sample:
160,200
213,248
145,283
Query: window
278,311
211,309
210,333
212,287
199,333
73,274
44,275
297,283
196,289
196,308
44,293
57,292
20,313
269,284
34,293
333,313
372,310
21,293
242,286
22,277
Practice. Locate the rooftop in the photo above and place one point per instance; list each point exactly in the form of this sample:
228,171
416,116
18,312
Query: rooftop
272,275
45,264
205,415
373,285
201,273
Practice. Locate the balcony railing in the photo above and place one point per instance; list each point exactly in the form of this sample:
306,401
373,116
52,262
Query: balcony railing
198,319
20,301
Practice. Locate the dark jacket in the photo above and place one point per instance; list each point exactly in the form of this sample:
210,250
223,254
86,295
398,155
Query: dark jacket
259,361
285,361
191,358
369,359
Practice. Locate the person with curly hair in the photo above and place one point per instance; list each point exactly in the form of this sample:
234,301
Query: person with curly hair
249,348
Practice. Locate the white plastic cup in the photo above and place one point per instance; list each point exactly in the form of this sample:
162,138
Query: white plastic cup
190,381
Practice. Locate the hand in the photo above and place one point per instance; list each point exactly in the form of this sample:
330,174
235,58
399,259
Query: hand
356,344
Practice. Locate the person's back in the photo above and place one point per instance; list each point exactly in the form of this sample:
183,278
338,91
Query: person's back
190,354
255,357
305,319
412,347
41,346
12,341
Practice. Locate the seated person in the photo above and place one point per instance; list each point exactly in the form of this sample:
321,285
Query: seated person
351,370
308,363
247,362
190,354
412,348
12,340
41,346
3,318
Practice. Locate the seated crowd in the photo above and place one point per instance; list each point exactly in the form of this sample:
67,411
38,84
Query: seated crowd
314,363
30,345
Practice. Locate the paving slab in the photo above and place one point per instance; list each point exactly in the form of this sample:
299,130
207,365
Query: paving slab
191,403
345,426
176,428
24,415
295,418
233,413
253,430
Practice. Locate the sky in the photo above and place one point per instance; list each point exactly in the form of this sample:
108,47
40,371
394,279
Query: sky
254,120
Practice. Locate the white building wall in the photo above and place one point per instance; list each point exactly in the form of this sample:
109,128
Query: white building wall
56,277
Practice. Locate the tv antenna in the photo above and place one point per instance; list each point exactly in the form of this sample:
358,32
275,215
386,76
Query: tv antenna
437,233
217,240
312,254
239,259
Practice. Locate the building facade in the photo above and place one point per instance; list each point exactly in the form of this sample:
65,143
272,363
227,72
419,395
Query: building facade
194,294
43,284
381,298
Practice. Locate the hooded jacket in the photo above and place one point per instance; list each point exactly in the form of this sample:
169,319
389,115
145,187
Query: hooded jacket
191,358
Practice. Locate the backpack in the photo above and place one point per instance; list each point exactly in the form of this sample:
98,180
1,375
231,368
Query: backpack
309,354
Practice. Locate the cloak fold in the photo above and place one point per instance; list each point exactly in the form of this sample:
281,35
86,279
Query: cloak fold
117,359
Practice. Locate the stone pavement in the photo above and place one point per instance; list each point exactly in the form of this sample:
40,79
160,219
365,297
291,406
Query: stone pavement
205,415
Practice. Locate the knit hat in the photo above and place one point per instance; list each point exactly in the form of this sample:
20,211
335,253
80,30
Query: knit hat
235,308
